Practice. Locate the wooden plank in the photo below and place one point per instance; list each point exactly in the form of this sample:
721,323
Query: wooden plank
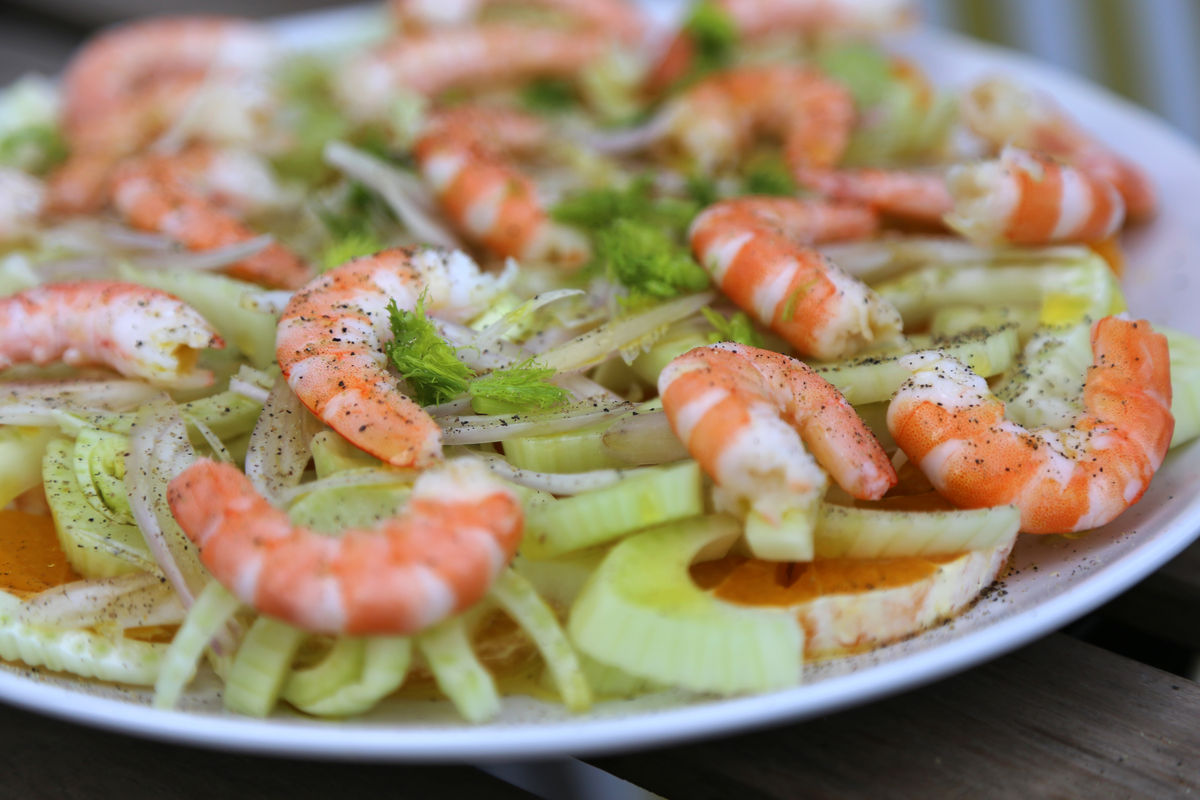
1060,718
46,758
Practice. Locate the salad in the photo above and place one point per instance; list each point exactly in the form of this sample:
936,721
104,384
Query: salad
539,349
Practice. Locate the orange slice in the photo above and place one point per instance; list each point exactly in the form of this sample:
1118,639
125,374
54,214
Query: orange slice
31,559
851,605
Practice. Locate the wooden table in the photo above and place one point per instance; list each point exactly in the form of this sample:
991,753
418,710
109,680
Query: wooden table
1060,718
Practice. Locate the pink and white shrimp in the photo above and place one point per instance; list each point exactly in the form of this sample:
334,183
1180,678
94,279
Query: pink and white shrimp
129,84
138,331
1028,199
946,420
756,19
718,119
432,63
758,251
1004,113
186,197
436,558
464,156
330,345
619,19
746,415
916,195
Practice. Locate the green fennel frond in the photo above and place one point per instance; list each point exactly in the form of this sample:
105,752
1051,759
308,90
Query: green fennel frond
424,358
737,328
521,387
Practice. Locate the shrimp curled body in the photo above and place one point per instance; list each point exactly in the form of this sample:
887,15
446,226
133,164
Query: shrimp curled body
746,415
1024,198
138,331
1081,477
439,556
463,155
756,249
330,345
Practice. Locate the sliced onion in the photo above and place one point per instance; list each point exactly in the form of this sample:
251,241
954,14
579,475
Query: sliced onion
158,451
501,354
558,483
584,388
204,260
266,301
494,334
880,257
459,405
279,450
211,439
602,342
625,140
136,240
126,601
405,194
644,438
108,395
482,428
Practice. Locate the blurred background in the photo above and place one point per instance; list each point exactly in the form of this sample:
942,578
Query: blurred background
1146,50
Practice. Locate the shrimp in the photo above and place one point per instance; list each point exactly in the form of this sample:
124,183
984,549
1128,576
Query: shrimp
917,195
129,84
619,19
21,199
330,338
1081,477
719,118
756,19
462,153
138,331
1025,198
743,414
1006,114
436,558
182,196
462,58
756,249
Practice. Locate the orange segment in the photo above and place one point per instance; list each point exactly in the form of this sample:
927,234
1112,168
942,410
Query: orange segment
1110,250
31,559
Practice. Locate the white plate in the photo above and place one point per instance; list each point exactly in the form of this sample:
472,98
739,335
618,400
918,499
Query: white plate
1055,579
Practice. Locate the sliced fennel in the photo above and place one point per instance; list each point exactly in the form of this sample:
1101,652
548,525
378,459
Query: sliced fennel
278,450
521,601
21,451
1185,384
382,665
1044,389
337,508
206,618
871,379
95,545
447,650
79,652
579,450
641,612
846,532
591,518
99,464
261,665
331,453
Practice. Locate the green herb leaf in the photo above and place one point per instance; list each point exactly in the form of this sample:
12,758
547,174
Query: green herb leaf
425,359
33,148
548,95
737,328
768,174
714,35
523,387
353,245
597,209
648,261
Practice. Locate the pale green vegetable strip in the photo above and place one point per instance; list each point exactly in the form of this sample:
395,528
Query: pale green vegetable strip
591,518
261,665
559,580
1089,285
331,453
96,546
205,620
339,667
845,532
79,652
99,466
386,660
789,539
951,321
679,338
335,509
226,414
579,450
458,672
522,602
218,299
871,379
641,612
1044,389
1185,383
21,451
609,681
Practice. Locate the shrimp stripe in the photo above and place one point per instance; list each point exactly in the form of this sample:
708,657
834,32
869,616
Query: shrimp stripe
436,558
